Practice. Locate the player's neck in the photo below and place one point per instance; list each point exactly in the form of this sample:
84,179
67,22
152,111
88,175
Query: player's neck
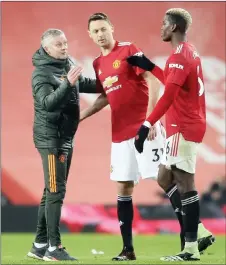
177,39
106,50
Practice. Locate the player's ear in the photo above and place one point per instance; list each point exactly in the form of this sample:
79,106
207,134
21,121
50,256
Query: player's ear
46,49
89,33
112,29
174,27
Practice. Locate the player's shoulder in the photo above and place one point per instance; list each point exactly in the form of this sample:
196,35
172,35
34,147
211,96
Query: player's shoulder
127,47
126,44
96,60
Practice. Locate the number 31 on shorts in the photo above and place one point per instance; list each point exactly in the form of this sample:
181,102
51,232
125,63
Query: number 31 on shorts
157,154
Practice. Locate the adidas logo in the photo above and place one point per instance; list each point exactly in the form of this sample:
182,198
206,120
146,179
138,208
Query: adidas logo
121,223
177,210
138,54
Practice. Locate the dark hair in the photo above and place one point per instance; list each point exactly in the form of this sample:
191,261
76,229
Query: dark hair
179,21
98,16
180,17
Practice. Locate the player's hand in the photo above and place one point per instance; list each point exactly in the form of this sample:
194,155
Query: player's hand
73,75
152,133
141,136
140,60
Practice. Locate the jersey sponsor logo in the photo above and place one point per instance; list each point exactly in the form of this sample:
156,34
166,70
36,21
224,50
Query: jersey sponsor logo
113,89
176,65
109,81
116,64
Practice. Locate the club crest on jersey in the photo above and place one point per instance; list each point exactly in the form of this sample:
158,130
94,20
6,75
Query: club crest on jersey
116,64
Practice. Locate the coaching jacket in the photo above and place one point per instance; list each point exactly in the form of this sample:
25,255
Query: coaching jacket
56,102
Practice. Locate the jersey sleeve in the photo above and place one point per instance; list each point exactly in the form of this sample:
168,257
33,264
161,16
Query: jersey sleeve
178,70
99,86
133,50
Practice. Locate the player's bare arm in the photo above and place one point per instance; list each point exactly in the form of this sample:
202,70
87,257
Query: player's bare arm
153,92
98,105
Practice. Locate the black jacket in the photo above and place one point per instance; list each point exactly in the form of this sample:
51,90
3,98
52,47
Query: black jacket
56,102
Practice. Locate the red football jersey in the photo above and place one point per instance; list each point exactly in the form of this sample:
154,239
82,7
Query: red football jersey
187,114
126,90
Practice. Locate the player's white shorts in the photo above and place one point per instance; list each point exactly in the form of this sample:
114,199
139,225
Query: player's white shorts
129,165
181,153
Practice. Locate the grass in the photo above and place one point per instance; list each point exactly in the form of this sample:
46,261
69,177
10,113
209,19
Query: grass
148,249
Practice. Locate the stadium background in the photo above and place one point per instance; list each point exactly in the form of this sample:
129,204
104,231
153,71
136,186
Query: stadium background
89,187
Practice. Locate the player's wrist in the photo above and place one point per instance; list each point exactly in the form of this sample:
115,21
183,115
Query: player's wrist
147,124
